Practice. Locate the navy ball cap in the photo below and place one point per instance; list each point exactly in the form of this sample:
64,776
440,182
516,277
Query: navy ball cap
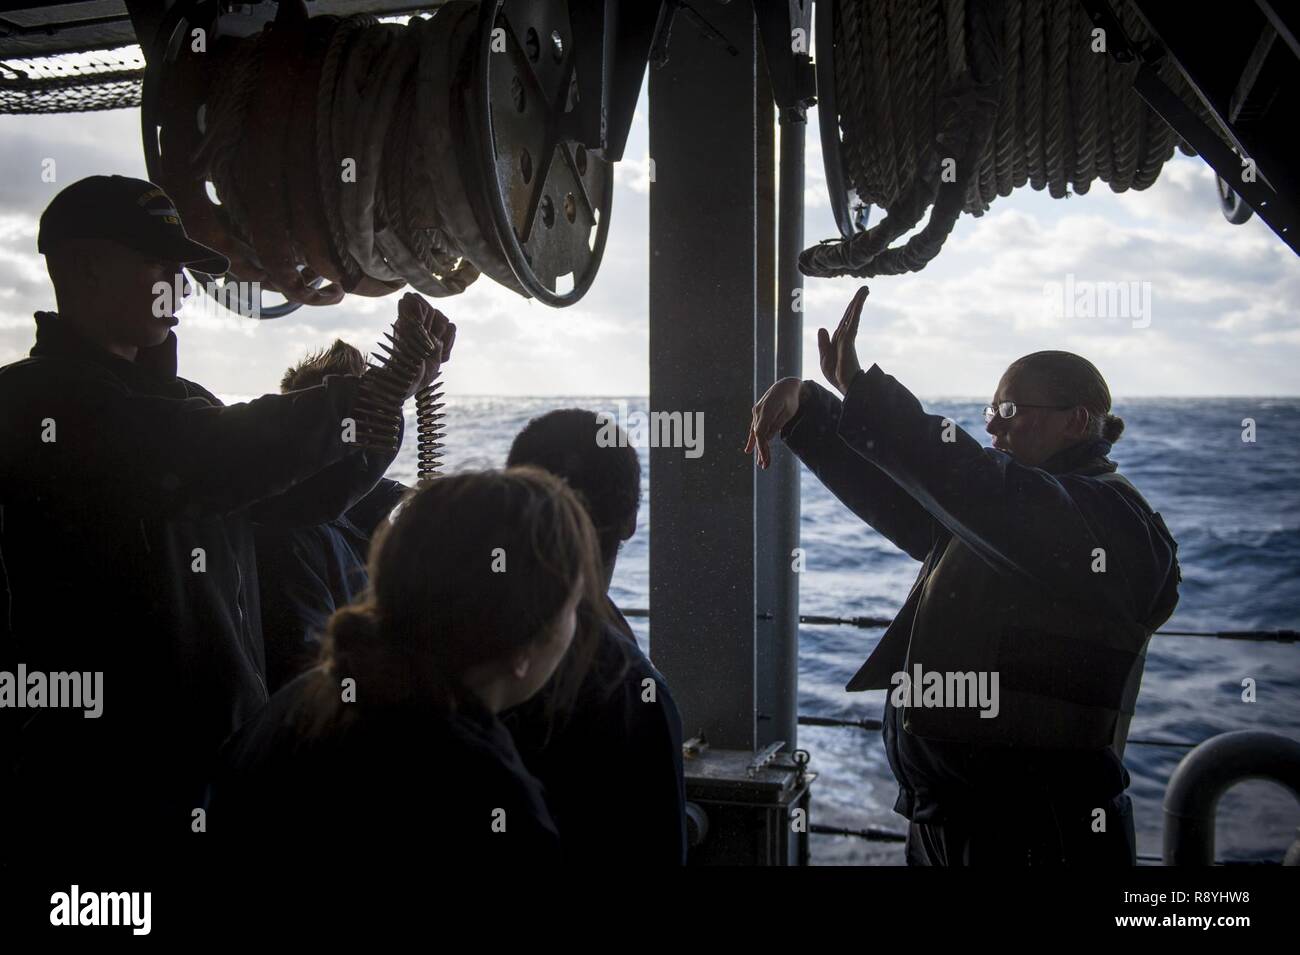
132,212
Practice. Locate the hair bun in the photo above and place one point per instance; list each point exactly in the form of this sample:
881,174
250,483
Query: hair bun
1112,428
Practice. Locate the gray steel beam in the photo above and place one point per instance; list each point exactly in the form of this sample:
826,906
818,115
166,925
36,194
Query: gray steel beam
778,488
767,492
146,17
703,306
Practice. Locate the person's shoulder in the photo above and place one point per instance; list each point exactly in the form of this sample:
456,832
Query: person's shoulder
1111,501
1121,483
638,669
1118,492
41,374
479,736
16,368
368,513
308,542
488,768
617,661
624,682
17,378
195,390
273,735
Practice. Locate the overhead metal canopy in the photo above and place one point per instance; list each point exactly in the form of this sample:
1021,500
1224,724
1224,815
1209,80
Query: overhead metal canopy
54,27
47,29
58,57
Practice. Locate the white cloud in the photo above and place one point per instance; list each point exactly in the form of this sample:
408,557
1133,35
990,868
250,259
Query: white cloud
1222,296
634,174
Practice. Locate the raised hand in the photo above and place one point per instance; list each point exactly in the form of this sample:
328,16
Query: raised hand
839,357
413,308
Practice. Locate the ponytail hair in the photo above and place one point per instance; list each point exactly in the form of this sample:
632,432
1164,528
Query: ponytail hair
472,568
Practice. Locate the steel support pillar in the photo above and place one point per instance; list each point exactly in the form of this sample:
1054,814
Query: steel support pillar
705,294
777,537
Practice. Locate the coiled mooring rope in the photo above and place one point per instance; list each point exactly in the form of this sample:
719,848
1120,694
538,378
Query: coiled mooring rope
952,103
405,217
224,115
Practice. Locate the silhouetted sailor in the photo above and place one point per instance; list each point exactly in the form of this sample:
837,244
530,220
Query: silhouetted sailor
306,573
128,497
1043,574
391,749
613,764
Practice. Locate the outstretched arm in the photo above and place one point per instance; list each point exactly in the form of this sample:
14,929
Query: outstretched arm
1024,520
807,418
813,435
1051,529
328,494
165,455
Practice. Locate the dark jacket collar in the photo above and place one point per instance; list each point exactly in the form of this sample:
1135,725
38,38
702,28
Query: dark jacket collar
365,516
1086,457
152,367
56,338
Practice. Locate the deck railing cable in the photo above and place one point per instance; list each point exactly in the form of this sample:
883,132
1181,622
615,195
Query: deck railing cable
873,834
868,623
875,725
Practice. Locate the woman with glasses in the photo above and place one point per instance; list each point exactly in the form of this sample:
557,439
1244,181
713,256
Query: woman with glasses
1043,574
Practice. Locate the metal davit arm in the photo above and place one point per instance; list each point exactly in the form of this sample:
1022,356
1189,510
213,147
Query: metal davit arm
1210,770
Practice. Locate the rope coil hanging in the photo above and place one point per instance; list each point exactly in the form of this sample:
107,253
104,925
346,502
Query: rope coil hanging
947,104
334,155
345,86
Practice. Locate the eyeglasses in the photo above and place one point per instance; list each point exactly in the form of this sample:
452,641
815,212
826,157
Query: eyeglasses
1007,409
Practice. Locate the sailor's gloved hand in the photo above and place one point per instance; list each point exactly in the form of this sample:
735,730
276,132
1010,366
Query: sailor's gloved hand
839,356
418,345
442,331
777,406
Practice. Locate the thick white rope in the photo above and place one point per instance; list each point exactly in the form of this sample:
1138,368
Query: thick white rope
367,110
987,96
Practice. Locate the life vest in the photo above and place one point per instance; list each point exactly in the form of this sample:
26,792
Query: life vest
1068,677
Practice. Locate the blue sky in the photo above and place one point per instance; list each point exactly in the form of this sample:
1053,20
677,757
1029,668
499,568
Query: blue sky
1223,318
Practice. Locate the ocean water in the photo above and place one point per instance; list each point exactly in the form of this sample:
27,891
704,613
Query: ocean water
1234,508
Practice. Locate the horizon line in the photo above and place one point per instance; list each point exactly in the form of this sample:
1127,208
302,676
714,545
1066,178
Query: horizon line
960,398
